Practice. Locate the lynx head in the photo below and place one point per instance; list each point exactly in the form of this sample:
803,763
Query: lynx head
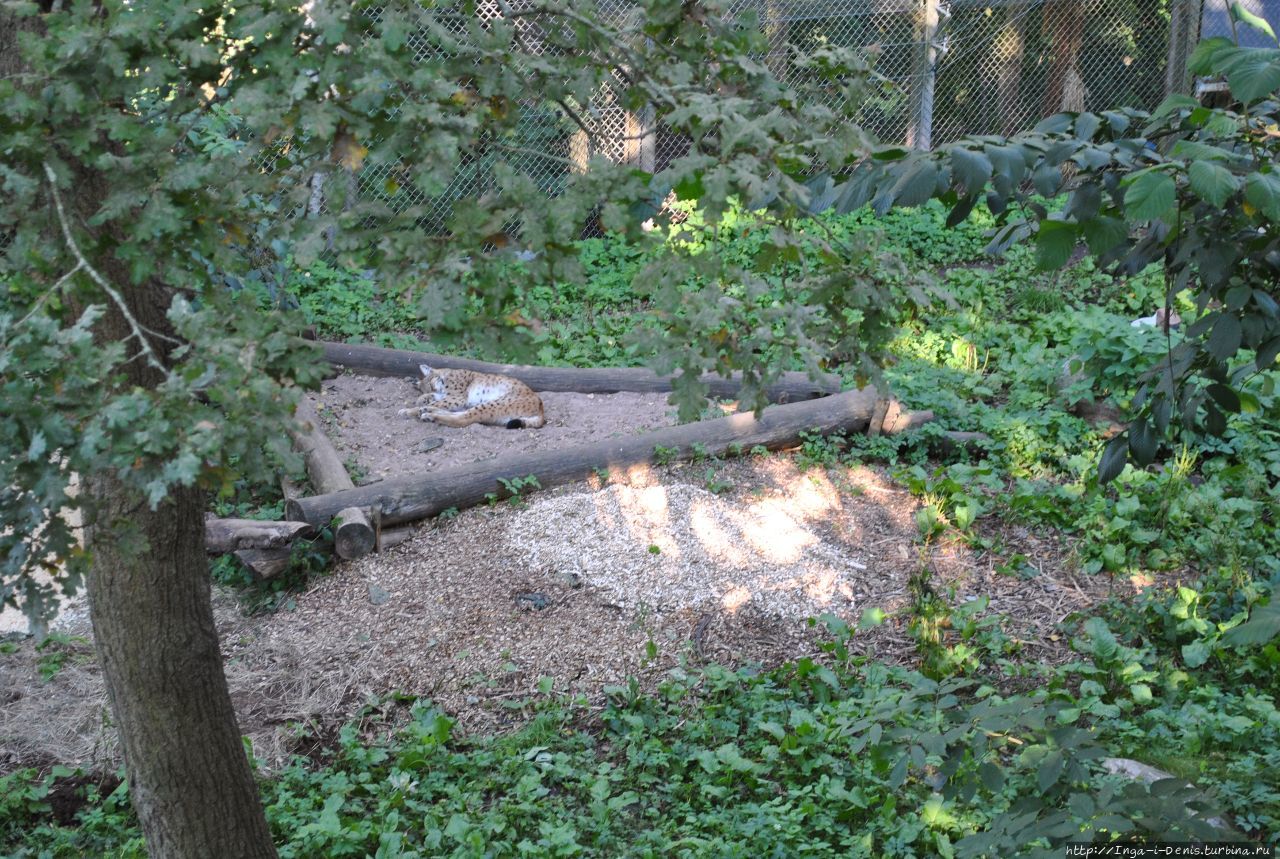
431,382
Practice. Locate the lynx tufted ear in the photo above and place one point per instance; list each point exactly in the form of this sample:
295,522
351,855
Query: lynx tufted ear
425,370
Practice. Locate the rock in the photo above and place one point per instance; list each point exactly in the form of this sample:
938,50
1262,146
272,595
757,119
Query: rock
532,601
379,595
1138,771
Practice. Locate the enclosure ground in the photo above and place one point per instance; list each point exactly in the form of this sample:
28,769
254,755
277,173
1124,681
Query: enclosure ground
586,585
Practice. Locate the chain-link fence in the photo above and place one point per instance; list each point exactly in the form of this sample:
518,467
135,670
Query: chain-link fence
954,67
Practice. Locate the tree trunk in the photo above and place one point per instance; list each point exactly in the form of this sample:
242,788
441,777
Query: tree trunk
1010,46
1063,90
154,631
149,602
1184,33
924,78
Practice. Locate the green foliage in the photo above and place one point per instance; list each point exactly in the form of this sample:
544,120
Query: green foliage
58,648
832,756
1190,188
517,487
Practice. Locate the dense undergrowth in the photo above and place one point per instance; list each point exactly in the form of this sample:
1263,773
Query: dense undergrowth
842,756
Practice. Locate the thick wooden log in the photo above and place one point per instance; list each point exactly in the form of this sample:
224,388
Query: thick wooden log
952,441
228,535
393,537
410,497
264,563
353,535
375,361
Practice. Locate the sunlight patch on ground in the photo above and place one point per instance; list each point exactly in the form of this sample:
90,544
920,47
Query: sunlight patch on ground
682,545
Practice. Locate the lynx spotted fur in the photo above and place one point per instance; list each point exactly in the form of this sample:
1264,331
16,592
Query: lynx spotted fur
459,398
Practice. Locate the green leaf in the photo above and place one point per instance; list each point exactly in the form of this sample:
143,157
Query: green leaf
1141,693
961,211
1173,104
1149,196
690,187
1252,73
1059,123
1244,16
731,756
972,168
1047,180
1103,233
1262,626
892,153
1262,190
1196,653
1226,398
1203,60
1267,354
1237,297
1194,150
1054,243
822,193
916,185
1143,442
1215,423
1007,236
1114,456
899,773
1009,162
1087,125
857,192
1224,340
871,618
1211,182
1050,770
37,447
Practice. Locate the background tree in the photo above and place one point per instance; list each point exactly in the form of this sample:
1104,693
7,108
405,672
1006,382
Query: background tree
155,151
1064,86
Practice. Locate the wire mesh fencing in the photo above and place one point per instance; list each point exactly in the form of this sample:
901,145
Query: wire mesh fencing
953,68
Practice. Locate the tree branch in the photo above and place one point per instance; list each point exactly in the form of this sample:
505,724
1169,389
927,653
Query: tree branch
48,292
139,330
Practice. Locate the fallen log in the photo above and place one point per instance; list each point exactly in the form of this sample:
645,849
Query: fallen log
375,361
353,536
953,441
264,563
228,535
410,497
393,537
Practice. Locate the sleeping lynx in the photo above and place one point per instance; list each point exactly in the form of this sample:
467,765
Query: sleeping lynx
459,398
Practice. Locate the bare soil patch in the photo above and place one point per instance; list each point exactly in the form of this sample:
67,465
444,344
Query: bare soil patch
360,415
587,585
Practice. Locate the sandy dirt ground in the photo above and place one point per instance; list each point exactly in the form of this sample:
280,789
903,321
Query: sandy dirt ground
586,585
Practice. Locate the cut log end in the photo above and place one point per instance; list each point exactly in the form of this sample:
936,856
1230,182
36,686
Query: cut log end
353,536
